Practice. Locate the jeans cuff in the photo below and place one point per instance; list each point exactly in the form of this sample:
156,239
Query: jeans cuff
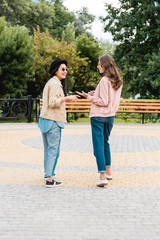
101,171
108,166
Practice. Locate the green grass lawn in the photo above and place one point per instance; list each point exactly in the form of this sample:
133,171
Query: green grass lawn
117,120
79,120
21,120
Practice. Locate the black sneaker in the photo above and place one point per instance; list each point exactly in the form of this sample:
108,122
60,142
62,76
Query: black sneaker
52,184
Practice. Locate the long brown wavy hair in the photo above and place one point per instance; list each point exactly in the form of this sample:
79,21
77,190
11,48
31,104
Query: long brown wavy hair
111,71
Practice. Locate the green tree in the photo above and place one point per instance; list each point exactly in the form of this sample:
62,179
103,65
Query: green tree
69,33
68,25
16,60
27,13
107,47
89,48
83,21
135,25
46,50
52,15
63,18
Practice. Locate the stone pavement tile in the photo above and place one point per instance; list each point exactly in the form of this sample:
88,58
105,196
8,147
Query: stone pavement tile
120,179
136,159
21,176
86,179
118,159
118,143
137,132
76,131
19,153
116,125
13,150
16,147
79,213
17,126
128,208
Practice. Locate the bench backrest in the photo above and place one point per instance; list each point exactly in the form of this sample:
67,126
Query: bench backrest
126,105
139,105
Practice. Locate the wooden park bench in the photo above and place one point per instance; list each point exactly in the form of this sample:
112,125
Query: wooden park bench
81,106
141,106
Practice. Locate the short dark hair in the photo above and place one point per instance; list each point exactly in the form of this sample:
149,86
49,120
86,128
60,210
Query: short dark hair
55,66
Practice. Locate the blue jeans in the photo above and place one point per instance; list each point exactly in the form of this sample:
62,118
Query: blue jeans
101,129
51,142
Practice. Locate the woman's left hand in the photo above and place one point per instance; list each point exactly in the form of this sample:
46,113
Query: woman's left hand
91,93
83,94
72,98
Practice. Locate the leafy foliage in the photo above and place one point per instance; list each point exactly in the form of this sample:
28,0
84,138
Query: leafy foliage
83,21
62,19
88,47
46,50
69,33
16,60
135,25
51,15
107,47
27,13
60,33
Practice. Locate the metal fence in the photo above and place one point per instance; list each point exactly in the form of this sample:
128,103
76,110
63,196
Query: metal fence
16,108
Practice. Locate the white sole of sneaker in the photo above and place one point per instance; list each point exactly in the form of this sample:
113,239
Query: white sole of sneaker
102,184
52,186
108,177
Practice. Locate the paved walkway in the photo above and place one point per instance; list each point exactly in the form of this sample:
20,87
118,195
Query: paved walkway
127,209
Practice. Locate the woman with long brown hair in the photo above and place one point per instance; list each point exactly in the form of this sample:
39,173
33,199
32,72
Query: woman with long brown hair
105,102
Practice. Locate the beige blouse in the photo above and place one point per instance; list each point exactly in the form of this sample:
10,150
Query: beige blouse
52,108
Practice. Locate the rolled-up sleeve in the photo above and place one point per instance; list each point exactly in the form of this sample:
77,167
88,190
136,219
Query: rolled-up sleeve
100,97
54,95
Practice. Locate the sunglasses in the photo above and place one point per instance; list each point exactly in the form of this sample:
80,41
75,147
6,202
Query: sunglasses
64,69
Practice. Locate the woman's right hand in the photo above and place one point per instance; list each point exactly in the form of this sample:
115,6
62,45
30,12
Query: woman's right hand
83,94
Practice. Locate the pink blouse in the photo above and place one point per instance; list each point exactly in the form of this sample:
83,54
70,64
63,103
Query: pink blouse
105,101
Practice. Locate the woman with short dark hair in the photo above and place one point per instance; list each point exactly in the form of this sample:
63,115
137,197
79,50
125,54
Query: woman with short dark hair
53,118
